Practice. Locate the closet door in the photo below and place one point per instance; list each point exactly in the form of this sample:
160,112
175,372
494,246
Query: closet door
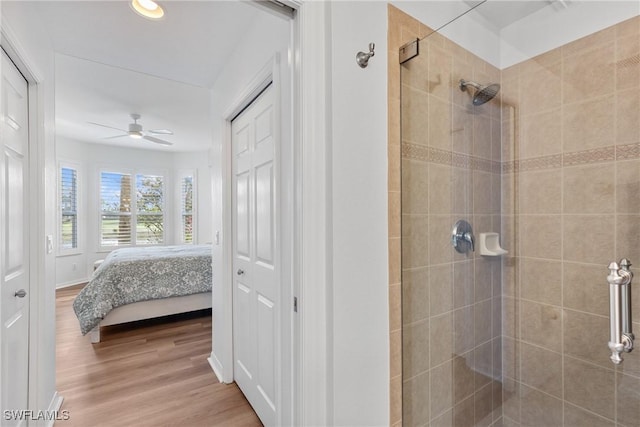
14,238
255,287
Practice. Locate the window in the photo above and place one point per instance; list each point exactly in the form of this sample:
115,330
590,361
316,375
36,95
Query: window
124,223
149,202
68,209
186,201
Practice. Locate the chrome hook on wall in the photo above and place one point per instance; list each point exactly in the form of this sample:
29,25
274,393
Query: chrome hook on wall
362,58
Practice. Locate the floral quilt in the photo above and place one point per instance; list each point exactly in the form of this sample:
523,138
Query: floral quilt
139,274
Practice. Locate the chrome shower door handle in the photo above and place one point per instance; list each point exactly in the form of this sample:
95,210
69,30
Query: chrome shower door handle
621,334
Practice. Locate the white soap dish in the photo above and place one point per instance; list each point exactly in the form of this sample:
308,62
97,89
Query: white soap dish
490,245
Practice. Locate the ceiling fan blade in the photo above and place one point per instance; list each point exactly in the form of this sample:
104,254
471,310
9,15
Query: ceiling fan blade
160,131
157,140
117,136
105,126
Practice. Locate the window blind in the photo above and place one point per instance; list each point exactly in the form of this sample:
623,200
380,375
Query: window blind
115,199
186,200
68,208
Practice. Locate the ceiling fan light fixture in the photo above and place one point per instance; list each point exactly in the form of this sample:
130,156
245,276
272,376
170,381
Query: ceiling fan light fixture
147,8
135,134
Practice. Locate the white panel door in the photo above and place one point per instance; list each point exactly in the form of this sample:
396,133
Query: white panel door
255,287
14,238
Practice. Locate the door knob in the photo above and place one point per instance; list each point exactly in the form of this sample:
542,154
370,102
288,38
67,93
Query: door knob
21,293
240,272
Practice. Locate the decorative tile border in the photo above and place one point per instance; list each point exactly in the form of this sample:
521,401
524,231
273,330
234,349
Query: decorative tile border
449,158
555,161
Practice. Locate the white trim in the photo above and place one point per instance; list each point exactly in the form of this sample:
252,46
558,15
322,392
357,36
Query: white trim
37,197
216,366
313,178
72,283
54,407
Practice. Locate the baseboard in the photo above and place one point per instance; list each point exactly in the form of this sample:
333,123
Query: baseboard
216,366
70,284
54,407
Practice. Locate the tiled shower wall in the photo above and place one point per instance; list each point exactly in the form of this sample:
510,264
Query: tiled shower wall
450,169
570,204
571,139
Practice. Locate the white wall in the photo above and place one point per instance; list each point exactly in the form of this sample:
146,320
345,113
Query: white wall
25,26
90,159
360,293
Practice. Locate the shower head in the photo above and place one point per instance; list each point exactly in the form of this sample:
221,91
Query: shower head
483,93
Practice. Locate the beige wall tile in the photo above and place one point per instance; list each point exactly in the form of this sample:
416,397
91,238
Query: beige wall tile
439,239
539,409
415,241
511,358
589,189
416,393
394,214
541,134
628,400
511,317
463,376
482,321
628,117
462,129
444,420
462,191
441,389
439,184
532,98
628,236
441,344
439,76
575,416
482,368
583,288
579,344
511,400
540,192
415,295
589,124
542,325
415,187
628,187
395,307
463,283
589,386
542,281
590,69
600,248
395,359
481,136
415,345
439,120
463,330
395,391
589,42
627,67
483,406
482,193
415,107
395,261
482,276
542,369
441,289
541,236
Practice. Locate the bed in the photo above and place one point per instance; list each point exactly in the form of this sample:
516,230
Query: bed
143,283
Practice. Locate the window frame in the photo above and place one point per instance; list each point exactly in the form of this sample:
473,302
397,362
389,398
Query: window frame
181,175
134,205
60,251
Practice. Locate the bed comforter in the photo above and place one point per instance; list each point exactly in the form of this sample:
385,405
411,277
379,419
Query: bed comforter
140,274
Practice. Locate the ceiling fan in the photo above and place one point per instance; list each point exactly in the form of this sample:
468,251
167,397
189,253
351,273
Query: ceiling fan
135,131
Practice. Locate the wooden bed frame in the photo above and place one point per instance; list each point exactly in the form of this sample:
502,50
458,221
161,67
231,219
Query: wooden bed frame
153,308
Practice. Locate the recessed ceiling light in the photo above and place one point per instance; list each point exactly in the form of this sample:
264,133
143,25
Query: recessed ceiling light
147,8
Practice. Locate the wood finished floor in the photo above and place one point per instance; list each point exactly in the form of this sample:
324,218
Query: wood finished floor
153,374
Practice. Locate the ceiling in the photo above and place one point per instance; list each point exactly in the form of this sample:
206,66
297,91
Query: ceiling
502,13
111,62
